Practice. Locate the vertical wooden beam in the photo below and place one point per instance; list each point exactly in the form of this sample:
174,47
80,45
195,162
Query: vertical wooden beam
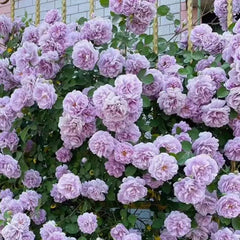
230,13
37,12
155,32
64,10
190,22
12,10
92,7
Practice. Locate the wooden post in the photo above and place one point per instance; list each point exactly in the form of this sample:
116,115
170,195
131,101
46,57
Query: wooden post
230,13
91,10
190,22
37,13
12,9
64,10
155,32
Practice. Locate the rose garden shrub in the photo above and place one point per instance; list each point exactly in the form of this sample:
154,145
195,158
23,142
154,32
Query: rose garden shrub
94,126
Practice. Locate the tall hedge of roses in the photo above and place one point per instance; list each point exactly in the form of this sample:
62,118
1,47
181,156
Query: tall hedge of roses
95,126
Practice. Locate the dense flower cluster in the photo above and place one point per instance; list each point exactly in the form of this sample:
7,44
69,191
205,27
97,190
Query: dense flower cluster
91,125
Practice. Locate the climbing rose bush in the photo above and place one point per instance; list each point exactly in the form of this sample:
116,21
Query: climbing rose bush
101,138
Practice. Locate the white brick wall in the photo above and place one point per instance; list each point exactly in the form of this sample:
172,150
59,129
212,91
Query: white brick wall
80,8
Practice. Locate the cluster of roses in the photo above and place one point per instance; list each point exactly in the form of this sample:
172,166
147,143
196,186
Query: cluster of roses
220,9
139,13
19,222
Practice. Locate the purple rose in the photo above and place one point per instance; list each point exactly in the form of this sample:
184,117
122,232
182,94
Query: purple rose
29,200
114,168
215,114
228,206
229,183
32,179
39,216
57,196
163,167
198,33
63,155
84,55
224,234
177,224
118,232
205,144
45,96
201,89
189,190
69,186
232,149
131,190
171,100
135,63
111,63
145,12
61,170
98,30
170,143
52,16
102,144
135,26
123,152
87,223
233,99
202,168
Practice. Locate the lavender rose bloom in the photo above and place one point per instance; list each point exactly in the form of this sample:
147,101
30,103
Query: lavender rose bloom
232,149
132,236
69,186
128,86
189,190
145,12
63,155
198,33
52,16
102,144
87,223
229,183
170,143
18,99
233,99
9,166
44,94
6,193
202,167
123,153
84,55
131,190
180,127
135,26
131,133
135,63
228,206
153,89
114,168
163,167
208,204
57,196
125,7
178,224
143,152
111,63
98,30
61,170
118,232
39,216
74,103
171,100
95,189
29,200
165,235
224,234
32,179
205,144
201,89
215,114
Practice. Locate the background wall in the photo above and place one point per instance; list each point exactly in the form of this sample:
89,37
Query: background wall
80,8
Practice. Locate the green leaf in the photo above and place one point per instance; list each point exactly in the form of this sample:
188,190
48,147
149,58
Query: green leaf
132,219
222,92
177,22
225,221
182,157
82,238
194,133
72,228
170,16
146,101
148,79
163,10
233,114
23,133
236,223
130,170
148,39
187,146
81,20
104,3
157,223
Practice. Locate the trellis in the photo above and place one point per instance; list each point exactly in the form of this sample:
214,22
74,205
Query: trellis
155,24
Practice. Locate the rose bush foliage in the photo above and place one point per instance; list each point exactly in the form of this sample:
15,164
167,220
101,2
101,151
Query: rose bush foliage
95,125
